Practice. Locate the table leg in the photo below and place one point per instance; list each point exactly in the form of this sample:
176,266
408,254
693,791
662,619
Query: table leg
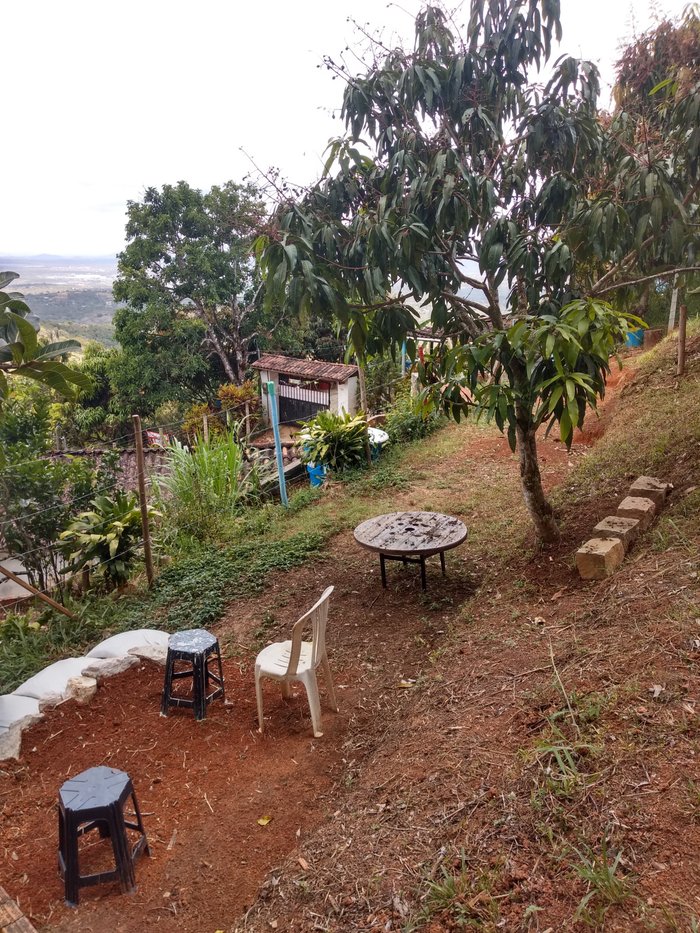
382,564
422,573
442,562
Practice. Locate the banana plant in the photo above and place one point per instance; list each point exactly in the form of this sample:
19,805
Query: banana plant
22,355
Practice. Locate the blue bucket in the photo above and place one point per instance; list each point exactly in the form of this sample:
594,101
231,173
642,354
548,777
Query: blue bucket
635,338
317,473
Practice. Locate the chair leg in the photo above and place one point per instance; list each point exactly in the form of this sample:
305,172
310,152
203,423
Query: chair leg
311,685
258,695
326,668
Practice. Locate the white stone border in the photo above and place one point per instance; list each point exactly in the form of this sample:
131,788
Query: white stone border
73,679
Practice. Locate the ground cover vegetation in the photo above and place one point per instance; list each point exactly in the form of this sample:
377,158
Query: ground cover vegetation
459,174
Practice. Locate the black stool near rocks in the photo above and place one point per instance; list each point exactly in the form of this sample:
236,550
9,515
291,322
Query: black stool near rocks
196,648
95,799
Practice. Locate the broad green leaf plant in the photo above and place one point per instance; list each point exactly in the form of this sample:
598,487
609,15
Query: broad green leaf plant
21,354
334,441
106,539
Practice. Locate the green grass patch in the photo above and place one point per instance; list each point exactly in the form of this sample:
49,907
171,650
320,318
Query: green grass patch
656,422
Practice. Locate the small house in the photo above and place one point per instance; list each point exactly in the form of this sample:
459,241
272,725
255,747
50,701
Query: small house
305,387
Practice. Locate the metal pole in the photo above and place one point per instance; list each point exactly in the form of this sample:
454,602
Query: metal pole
274,415
403,359
141,472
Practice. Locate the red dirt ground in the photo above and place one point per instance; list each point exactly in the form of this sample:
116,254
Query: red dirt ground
203,786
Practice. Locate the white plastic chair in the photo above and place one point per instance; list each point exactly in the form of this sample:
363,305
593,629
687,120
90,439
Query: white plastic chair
287,661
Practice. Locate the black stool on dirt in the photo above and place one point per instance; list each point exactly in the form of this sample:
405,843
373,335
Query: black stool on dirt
96,799
196,648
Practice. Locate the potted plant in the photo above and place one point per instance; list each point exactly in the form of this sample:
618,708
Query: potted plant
332,442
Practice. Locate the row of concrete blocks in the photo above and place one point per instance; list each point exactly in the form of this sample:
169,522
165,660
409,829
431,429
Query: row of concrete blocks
614,536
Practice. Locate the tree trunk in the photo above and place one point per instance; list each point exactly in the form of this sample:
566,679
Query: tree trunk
540,510
213,339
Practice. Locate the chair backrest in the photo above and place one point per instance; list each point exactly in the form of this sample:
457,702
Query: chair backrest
318,616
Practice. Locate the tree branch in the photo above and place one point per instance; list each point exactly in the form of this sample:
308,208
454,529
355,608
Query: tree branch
646,278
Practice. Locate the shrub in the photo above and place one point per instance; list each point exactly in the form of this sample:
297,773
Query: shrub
233,399
335,441
193,423
105,539
206,485
406,421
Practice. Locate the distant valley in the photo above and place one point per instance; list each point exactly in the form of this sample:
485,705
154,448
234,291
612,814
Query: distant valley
71,295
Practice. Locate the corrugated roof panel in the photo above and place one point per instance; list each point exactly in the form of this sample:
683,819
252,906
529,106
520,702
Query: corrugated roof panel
305,369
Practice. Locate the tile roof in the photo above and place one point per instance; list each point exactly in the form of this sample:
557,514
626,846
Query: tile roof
305,369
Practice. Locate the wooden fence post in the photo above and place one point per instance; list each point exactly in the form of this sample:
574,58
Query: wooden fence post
274,414
141,472
414,385
246,433
682,328
205,426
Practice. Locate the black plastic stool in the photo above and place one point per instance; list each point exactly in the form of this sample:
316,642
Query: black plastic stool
194,647
95,799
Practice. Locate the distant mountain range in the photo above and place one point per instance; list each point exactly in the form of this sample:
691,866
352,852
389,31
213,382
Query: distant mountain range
70,294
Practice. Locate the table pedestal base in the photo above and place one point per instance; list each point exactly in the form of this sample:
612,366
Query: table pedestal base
410,560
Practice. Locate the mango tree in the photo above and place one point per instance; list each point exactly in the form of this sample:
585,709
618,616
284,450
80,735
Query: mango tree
454,187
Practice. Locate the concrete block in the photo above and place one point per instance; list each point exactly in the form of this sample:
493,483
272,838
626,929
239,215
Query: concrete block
82,689
638,507
614,526
651,488
599,557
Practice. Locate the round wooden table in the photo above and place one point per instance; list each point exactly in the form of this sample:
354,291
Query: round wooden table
411,537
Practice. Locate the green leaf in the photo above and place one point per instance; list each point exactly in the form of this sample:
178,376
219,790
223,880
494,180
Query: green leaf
26,332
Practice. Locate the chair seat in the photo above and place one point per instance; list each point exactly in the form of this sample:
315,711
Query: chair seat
273,661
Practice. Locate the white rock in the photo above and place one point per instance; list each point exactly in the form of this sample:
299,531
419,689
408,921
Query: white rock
11,742
99,668
119,645
49,686
16,714
156,653
82,689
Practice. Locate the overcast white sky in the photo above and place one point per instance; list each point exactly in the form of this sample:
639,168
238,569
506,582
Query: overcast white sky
104,99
